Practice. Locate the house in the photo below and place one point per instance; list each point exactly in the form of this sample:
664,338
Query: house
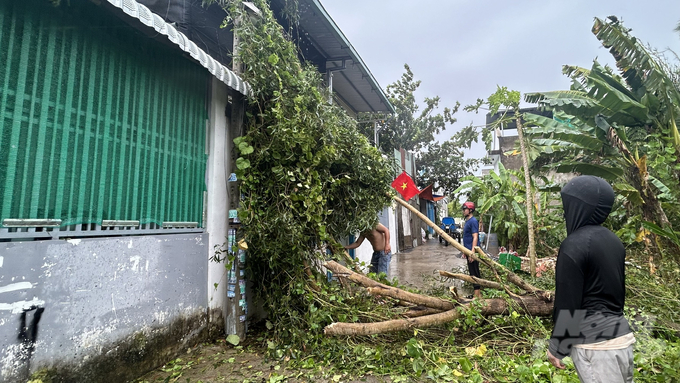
116,125
505,140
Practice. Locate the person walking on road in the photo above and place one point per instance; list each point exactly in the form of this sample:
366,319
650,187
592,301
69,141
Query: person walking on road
379,237
470,241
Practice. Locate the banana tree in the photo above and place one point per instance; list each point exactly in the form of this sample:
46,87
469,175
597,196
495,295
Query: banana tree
646,77
620,127
578,149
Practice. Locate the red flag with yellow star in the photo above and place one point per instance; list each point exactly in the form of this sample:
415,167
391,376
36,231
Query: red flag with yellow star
405,186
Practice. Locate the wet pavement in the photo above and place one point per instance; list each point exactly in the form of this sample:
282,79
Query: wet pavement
418,267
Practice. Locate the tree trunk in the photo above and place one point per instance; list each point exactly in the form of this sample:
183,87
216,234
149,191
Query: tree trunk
436,228
473,280
422,300
377,288
414,313
527,305
529,194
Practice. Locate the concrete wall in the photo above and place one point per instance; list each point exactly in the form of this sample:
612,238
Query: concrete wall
113,307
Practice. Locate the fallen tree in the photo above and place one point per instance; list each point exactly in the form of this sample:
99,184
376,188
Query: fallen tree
437,311
497,306
432,311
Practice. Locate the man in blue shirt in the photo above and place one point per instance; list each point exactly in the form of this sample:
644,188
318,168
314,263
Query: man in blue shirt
470,241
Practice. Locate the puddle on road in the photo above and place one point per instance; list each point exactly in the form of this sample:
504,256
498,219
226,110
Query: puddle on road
418,267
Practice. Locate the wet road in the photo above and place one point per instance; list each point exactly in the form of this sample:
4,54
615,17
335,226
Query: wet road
418,267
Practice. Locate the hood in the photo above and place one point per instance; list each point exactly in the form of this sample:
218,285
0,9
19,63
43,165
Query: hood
587,200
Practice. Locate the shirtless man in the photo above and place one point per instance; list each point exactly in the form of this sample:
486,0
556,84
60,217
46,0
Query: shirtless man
379,237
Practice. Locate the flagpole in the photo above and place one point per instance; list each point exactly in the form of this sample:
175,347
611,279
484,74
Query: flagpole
436,228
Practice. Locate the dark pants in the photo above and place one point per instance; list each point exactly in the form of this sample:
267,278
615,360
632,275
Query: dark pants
473,269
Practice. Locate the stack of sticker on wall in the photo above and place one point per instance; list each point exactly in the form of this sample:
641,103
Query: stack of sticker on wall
237,274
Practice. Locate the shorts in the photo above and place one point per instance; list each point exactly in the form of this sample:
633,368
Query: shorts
380,262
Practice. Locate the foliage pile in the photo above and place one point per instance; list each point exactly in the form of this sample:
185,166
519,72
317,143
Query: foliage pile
500,349
307,175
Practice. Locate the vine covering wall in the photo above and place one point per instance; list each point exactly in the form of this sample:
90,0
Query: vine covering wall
308,176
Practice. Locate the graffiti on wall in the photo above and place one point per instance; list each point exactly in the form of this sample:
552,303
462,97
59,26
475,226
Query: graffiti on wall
17,362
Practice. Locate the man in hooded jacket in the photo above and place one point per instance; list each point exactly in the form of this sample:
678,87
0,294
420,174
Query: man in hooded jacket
590,288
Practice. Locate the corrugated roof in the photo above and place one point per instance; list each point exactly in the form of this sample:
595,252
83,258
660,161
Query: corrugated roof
355,86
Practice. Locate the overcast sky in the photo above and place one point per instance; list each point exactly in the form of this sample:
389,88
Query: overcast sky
462,49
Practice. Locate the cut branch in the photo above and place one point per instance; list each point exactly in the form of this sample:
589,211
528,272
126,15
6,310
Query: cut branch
422,300
312,279
343,272
338,328
414,313
436,228
527,305
473,280
377,288
478,255
512,277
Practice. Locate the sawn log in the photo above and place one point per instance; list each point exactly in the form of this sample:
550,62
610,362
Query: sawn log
528,304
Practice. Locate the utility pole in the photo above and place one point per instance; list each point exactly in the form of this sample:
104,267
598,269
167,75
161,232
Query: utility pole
236,310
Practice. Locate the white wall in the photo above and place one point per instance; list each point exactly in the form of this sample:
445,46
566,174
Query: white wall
365,251
217,214
394,232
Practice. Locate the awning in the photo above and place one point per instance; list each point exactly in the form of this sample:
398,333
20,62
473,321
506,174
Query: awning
140,12
427,194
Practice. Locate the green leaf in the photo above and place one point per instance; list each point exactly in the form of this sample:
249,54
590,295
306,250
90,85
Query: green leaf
490,202
244,148
233,339
663,232
413,348
517,209
607,172
418,365
665,191
553,188
465,364
549,128
629,192
273,59
242,163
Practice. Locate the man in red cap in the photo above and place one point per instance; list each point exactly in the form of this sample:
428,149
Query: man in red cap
470,241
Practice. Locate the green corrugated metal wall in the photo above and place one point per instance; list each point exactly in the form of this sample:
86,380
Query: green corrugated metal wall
96,120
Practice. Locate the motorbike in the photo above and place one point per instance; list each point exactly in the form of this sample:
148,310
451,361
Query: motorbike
449,226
